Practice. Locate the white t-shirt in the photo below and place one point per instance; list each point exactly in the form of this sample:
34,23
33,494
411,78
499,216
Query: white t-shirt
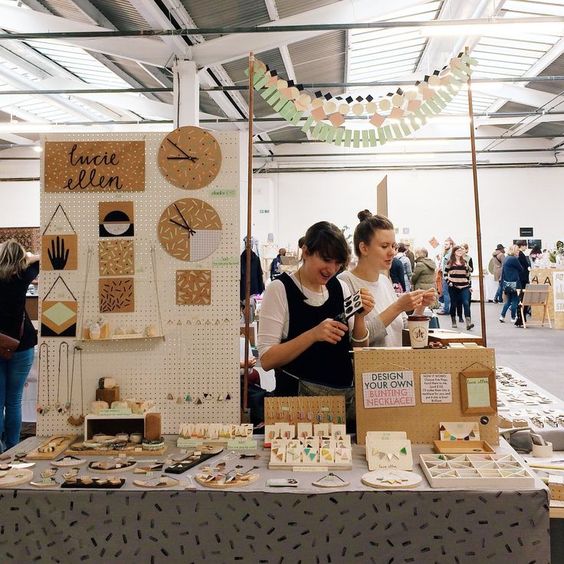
274,320
384,296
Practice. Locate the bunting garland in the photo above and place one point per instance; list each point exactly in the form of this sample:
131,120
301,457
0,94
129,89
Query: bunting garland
392,117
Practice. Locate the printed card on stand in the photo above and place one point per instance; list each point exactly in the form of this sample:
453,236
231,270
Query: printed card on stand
293,451
389,454
304,430
343,452
321,429
327,450
271,432
278,450
459,431
311,449
338,430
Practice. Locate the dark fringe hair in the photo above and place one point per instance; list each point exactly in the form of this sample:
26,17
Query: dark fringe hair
328,241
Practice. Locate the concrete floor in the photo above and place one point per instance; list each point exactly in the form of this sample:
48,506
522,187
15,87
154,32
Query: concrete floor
536,352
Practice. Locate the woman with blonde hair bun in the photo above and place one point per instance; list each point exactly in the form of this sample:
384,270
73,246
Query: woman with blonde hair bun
374,245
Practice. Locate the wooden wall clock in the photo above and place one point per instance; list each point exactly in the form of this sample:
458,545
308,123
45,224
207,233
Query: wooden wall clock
189,229
189,157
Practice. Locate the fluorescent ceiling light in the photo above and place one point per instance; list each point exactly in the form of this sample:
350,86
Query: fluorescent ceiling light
494,27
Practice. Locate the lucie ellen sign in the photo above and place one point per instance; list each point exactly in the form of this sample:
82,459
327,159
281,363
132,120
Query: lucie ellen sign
95,166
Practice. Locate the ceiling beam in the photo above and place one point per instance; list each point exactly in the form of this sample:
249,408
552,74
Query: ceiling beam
148,50
233,47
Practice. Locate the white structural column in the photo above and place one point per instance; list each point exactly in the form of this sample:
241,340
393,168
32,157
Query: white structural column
186,89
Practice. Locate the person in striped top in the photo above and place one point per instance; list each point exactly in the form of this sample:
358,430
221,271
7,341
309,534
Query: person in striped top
458,278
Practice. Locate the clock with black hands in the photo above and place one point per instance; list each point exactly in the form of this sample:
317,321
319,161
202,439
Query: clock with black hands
189,157
189,229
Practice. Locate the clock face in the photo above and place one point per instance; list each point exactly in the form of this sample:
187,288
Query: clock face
189,157
189,229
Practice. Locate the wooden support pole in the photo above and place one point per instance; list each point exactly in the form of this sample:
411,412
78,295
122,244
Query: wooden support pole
249,231
477,214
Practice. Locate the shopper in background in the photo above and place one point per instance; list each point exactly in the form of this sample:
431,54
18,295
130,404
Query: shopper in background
409,254
299,334
498,260
257,280
526,264
17,270
275,265
458,279
425,272
511,276
470,264
374,242
535,255
406,263
397,275
442,261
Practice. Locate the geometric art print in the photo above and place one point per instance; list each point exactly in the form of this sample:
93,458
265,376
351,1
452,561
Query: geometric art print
58,318
116,295
116,257
115,219
193,287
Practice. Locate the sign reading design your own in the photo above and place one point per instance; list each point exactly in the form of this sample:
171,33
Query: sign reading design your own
388,389
96,166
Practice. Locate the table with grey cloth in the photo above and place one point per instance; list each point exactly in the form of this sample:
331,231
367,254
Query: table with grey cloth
259,524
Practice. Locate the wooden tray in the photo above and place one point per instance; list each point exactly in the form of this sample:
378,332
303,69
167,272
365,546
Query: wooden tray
157,483
129,450
66,440
462,447
233,484
15,477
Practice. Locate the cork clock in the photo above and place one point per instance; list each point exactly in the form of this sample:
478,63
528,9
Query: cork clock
189,229
189,157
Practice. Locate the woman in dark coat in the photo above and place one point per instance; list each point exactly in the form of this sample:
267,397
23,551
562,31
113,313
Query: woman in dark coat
17,270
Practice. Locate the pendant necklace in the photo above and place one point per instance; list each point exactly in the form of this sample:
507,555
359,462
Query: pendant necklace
76,421
299,277
63,349
43,359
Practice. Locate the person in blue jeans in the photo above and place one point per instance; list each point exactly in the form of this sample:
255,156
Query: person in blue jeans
511,275
17,270
458,276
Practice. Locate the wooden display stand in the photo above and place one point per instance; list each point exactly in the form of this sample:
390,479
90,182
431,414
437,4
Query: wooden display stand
420,421
546,276
536,296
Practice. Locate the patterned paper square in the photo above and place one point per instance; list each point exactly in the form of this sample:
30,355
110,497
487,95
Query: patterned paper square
193,287
116,295
116,257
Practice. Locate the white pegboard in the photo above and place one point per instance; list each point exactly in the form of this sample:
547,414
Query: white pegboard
199,356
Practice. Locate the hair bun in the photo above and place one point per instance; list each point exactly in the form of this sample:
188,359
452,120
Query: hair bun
364,214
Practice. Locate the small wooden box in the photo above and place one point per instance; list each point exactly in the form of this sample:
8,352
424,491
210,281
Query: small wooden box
556,487
108,395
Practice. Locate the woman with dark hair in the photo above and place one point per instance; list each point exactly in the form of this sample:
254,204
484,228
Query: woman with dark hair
299,334
374,245
17,270
458,278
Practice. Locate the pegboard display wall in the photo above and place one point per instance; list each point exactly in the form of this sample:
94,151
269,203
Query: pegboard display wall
421,421
190,369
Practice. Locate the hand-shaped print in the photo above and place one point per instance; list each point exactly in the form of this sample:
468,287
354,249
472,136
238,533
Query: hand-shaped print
58,256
